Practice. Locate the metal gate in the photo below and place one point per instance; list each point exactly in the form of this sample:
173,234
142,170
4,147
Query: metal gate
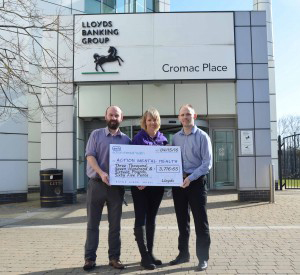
289,161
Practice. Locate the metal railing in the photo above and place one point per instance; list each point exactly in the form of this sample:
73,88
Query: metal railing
289,161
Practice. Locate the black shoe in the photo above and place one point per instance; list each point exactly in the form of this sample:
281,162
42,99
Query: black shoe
140,237
202,266
89,265
147,263
154,260
181,258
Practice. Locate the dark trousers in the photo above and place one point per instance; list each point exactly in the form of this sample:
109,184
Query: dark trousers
98,193
193,198
146,203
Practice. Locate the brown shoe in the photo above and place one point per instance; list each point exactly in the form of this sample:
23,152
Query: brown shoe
116,264
89,264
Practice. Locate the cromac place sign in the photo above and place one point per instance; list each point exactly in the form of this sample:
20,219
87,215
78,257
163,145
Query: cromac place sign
166,46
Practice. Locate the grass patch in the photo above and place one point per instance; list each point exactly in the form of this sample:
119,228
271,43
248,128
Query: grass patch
290,183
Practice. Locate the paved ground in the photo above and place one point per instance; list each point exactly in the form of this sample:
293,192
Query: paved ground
247,238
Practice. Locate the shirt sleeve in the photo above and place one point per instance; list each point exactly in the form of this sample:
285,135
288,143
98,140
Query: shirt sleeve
91,146
206,155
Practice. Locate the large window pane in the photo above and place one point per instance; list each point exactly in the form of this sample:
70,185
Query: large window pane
220,136
91,6
149,5
108,6
140,6
120,6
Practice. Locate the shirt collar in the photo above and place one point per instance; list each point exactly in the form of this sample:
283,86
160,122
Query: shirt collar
107,132
194,129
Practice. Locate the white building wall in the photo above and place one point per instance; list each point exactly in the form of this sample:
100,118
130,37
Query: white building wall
208,99
58,128
266,5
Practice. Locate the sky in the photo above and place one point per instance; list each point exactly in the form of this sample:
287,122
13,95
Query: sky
286,34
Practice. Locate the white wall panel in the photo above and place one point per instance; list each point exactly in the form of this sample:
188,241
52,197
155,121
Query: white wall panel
13,146
246,172
13,177
34,132
46,164
262,172
65,75
48,147
93,100
34,152
49,94
48,120
274,130
17,124
50,45
67,166
128,98
49,75
274,149
273,116
194,94
221,99
34,175
65,48
65,145
159,96
65,118
65,94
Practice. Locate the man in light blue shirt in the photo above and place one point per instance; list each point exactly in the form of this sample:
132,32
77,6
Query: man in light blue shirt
196,152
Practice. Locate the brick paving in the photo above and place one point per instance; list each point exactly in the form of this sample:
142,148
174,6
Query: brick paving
247,238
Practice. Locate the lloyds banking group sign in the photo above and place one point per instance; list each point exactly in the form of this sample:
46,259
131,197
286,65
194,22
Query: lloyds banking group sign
167,46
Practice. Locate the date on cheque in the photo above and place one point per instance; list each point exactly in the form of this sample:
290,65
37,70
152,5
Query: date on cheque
167,168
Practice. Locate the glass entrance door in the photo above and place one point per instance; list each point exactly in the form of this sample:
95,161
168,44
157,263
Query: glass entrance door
224,164
169,127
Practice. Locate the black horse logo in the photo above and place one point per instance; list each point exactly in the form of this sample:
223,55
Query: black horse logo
101,59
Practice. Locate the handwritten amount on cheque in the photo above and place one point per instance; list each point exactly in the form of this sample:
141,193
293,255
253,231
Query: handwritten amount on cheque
143,170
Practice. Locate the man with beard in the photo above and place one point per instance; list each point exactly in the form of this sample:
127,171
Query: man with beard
196,153
99,190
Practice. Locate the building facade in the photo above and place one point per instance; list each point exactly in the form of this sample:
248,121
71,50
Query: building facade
220,62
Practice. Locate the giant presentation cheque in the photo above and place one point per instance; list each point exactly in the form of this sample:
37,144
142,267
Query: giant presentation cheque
145,165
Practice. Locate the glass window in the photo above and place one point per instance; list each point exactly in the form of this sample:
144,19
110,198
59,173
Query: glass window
140,5
223,144
149,5
108,6
120,6
220,136
91,6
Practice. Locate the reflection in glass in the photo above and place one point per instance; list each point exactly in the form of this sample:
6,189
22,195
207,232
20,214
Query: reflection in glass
223,159
117,6
140,6
149,5
120,6
108,6
91,6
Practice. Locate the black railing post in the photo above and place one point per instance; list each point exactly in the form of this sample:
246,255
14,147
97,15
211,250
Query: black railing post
279,161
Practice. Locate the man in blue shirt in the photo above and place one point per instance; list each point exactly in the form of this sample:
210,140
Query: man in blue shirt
197,160
99,190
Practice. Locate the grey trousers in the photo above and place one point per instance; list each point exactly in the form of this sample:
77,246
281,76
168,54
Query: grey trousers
98,193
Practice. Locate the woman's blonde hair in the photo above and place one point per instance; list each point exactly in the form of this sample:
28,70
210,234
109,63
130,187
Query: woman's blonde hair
154,114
